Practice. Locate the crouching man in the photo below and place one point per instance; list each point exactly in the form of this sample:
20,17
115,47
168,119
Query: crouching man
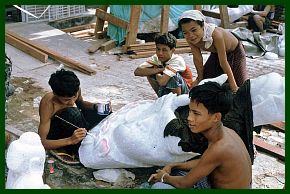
226,162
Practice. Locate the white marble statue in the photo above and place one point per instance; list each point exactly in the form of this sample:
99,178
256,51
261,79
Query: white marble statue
133,136
25,161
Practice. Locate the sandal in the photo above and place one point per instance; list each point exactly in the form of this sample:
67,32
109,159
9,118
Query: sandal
64,157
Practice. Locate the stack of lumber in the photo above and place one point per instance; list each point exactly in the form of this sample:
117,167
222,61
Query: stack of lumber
88,32
272,149
41,52
81,32
136,51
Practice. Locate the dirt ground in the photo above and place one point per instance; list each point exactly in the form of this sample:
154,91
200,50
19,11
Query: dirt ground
23,97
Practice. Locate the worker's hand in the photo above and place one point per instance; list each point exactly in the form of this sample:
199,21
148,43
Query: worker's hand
78,135
194,83
234,91
167,169
160,68
157,176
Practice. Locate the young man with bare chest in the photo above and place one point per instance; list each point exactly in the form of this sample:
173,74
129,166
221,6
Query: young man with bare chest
226,162
62,106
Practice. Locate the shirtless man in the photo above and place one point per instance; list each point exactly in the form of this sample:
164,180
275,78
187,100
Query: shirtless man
226,162
227,53
65,102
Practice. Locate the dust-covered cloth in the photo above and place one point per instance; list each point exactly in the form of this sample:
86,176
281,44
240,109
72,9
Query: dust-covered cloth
240,117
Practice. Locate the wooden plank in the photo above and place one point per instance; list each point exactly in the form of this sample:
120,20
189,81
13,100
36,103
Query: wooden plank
78,28
108,45
164,19
13,131
26,48
150,53
280,126
87,35
111,19
268,148
211,14
100,22
179,42
197,7
86,31
67,61
149,47
95,46
133,27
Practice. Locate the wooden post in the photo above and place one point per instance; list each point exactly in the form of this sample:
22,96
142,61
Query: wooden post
224,16
164,19
133,26
197,7
99,22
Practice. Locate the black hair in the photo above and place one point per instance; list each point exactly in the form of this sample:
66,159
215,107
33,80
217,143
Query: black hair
64,83
166,39
187,20
214,97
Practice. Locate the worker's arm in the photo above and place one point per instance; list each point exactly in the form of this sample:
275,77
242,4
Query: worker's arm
146,71
198,63
202,168
219,43
45,113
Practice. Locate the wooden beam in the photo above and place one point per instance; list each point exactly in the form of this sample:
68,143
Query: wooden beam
150,53
224,14
197,7
87,31
13,131
111,19
134,24
211,14
78,28
26,48
279,126
269,149
108,45
100,22
164,19
151,45
70,62
95,46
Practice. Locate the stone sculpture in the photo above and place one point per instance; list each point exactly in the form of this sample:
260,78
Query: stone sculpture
25,161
